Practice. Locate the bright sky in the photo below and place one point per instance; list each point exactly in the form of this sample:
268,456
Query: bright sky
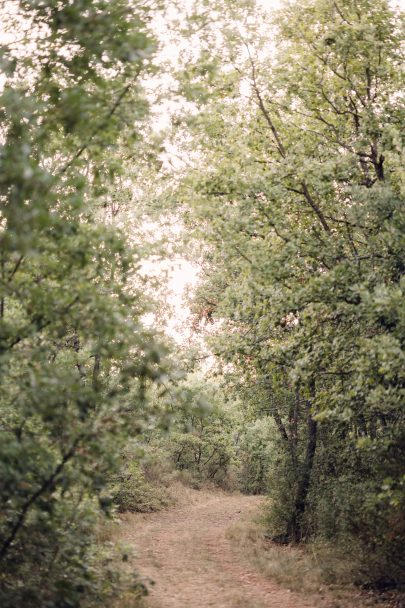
276,3
269,3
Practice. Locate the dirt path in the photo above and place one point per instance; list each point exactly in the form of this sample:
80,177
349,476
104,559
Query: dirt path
186,552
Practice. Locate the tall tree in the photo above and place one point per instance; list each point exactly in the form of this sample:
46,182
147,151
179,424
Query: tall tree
73,353
297,190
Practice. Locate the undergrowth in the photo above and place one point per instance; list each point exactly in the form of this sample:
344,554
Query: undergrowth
317,570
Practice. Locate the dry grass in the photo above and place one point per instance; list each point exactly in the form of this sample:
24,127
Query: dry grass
181,494
108,531
316,572
128,601
241,602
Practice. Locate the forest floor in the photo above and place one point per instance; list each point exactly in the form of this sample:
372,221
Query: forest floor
194,555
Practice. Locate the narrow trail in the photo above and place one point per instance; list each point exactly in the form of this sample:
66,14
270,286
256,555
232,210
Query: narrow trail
187,553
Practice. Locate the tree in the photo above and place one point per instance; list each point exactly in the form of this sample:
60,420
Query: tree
74,356
297,190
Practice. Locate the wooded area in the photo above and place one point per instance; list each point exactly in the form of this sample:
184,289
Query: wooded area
266,148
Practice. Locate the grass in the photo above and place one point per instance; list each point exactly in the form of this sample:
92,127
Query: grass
241,602
317,571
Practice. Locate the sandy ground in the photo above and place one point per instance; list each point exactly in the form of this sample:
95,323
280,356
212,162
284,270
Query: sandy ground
186,553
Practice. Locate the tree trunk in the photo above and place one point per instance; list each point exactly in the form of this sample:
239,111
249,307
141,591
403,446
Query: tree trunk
294,529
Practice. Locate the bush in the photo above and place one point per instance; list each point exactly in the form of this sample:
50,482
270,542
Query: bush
72,567
132,492
207,450
255,451
352,509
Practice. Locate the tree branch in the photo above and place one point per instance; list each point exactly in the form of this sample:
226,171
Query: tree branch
46,485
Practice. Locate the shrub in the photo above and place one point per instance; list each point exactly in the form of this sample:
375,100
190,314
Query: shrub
255,452
207,451
132,492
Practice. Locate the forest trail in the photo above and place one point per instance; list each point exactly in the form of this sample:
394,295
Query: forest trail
186,552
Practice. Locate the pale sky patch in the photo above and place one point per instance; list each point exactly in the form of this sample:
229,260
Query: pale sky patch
269,4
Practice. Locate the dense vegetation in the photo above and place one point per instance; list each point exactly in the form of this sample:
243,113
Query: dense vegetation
290,187
74,355
298,191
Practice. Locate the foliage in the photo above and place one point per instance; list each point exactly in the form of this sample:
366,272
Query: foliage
201,438
132,492
296,188
74,357
255,453
206,449
292,197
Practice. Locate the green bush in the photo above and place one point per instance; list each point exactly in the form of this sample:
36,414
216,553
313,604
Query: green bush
207,450
255,453
62,563
352,509
132,492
